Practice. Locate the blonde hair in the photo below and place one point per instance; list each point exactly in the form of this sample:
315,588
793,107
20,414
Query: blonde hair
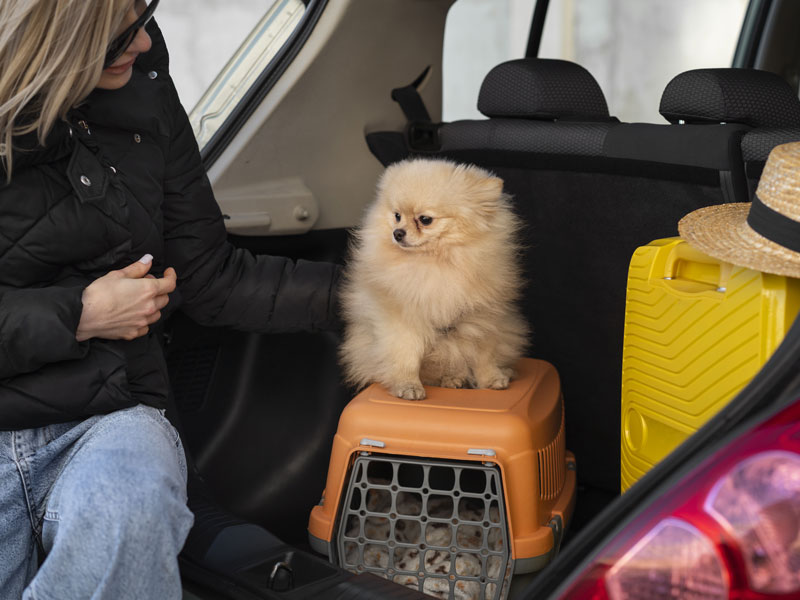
51,58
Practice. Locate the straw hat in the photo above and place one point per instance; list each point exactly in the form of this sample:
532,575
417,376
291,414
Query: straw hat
763,235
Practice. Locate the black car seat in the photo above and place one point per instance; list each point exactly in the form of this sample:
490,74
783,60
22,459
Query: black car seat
763,101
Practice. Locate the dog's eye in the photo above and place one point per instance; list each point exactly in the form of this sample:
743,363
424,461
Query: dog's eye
425,220
397,217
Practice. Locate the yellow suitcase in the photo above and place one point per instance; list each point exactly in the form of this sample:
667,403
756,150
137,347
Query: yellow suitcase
696,331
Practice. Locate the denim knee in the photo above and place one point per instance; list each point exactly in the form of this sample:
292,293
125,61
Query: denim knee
117,516
127,476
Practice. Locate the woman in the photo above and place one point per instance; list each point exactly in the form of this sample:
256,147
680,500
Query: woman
107,220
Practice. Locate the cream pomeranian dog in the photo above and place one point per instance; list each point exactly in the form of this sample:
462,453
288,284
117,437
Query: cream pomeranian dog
432,283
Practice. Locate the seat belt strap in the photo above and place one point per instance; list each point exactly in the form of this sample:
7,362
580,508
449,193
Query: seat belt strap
411,102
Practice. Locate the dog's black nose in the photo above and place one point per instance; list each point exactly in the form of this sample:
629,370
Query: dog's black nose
399,234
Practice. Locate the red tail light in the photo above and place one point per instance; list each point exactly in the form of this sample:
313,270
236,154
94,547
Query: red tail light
731,530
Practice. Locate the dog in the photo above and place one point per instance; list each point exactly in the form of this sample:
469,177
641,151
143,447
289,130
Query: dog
430,288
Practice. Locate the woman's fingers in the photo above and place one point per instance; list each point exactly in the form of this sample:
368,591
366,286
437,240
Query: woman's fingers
135,333
138,269
169,281
161,301
159,286
124,303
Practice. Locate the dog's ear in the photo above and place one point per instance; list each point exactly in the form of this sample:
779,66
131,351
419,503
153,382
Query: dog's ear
491,190
485,189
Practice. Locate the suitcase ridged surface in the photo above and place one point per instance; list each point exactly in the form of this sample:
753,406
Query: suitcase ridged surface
696,331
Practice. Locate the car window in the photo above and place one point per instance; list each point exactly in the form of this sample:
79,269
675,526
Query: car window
479,35
633,49
217,54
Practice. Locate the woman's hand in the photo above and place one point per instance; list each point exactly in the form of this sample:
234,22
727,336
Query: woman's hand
122,305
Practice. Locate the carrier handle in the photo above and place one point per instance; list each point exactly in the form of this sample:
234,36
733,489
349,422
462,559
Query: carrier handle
688,270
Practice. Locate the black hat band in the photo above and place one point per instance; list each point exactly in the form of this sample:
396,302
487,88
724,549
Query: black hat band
773,225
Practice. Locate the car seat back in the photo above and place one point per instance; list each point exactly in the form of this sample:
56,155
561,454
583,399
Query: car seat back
759,99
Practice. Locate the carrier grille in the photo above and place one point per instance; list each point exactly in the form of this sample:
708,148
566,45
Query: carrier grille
438,527
552,465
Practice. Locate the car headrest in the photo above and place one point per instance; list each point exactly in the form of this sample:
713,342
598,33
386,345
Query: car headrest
541,88
748,96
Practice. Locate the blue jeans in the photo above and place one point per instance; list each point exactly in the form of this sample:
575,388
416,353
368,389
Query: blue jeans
93,509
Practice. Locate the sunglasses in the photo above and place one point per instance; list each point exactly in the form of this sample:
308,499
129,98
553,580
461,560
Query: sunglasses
120,43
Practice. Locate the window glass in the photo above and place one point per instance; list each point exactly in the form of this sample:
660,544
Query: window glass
633,48
479,34
216,54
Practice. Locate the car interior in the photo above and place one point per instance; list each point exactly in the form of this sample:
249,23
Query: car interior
359,88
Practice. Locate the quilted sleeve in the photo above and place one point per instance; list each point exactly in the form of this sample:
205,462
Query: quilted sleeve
37,327
220,284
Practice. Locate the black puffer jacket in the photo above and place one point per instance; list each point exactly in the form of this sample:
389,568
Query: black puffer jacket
122,179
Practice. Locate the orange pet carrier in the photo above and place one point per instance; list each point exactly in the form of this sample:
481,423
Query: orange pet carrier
451,495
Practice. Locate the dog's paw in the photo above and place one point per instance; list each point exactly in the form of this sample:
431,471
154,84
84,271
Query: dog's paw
499,383
452,381
496,379
409,390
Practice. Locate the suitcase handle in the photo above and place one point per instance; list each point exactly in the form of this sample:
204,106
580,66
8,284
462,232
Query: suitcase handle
688,270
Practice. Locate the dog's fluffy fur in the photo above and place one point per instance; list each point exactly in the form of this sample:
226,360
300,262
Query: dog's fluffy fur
436,307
